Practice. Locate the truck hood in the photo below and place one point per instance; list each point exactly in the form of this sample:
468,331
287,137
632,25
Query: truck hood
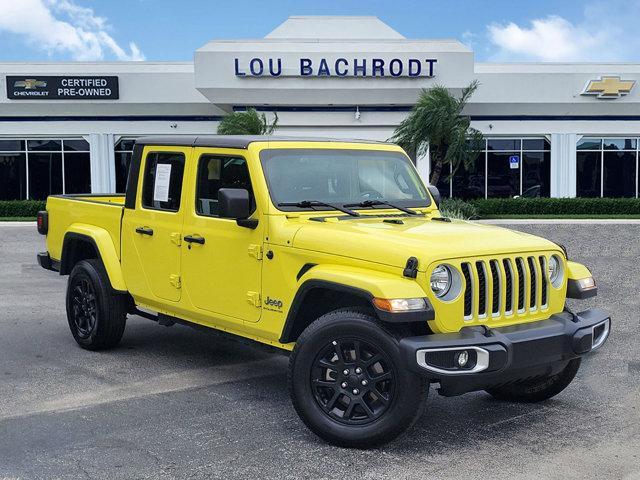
372,239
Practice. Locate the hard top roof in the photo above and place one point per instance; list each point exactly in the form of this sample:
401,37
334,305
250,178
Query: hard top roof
235,141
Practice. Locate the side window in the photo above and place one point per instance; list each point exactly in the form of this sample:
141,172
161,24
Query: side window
162,184
216,172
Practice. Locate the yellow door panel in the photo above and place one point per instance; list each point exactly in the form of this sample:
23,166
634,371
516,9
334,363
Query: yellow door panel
151,233
220,275
222,268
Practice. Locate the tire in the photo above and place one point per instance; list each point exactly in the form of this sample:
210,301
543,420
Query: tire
539,389
96,313
360,415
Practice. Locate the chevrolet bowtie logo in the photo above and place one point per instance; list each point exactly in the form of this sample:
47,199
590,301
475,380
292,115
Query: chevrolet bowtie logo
30,83
609,87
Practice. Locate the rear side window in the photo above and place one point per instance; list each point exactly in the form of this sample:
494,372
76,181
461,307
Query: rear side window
162,185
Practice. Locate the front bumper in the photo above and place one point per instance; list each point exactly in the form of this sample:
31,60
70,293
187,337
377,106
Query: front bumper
496,356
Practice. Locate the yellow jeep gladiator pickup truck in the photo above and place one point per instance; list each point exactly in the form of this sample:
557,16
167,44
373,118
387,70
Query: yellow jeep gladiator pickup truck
336,252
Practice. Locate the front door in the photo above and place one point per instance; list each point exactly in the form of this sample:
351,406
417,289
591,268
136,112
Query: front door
222,269
151,233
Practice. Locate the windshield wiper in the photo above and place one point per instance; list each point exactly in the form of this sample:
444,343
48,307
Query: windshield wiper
316,203
373,203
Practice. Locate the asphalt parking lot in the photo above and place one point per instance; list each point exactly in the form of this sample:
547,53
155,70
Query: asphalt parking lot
179,403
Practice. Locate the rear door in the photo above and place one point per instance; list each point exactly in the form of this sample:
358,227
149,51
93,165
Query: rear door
151,233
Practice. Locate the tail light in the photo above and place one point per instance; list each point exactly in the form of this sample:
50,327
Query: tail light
43,222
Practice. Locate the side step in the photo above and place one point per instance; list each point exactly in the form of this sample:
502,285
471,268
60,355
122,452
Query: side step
168,321
161,318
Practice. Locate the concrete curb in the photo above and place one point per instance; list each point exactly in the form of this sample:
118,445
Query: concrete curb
17,224
562,221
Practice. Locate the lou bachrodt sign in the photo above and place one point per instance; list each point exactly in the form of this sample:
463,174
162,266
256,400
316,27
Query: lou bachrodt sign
62,88
339,67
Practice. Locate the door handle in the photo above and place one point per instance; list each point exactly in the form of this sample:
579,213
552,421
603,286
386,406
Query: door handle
144,231
194,239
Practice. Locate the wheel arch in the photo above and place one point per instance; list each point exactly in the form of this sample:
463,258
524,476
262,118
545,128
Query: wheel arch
316,297
324,288
81,243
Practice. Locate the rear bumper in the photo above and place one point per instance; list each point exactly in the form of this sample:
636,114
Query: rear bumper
499,355
46,262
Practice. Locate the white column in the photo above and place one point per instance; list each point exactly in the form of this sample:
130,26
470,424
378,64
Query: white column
423,165
563,164
103,174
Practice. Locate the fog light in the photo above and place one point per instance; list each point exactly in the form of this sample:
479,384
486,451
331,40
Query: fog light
463,358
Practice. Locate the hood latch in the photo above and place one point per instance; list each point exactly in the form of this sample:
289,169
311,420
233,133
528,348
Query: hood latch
411,268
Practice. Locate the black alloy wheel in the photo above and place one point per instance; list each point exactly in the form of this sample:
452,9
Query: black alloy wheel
83,306
96,313
353,381
349,383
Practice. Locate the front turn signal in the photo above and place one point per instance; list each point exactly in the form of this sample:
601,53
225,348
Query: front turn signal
397,305
586,283
582,288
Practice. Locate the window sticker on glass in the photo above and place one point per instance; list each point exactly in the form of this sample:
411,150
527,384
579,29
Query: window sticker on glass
161,186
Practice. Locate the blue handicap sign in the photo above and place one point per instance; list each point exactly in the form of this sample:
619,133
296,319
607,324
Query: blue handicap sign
514,161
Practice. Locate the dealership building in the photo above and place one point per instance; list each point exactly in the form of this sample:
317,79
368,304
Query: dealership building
551,129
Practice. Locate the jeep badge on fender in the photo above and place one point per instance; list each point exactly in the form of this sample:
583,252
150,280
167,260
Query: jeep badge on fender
374,294
272,302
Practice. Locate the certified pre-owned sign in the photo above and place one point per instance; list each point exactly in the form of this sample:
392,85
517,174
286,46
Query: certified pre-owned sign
62,88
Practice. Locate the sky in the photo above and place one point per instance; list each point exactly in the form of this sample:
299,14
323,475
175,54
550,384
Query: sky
171,30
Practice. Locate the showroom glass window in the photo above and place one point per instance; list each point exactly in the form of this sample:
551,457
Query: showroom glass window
123,153
507,167
607,167
13,170
37,168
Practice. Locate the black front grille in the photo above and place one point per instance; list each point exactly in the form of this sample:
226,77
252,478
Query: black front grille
521,275
468,290
543,277
495,276
482,289
495,281
533,281
509,285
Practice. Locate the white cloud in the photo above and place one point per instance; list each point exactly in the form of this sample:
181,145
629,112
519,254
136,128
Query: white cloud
606,32
470,39
63,27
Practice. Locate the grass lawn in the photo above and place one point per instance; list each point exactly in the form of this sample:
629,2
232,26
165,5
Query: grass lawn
552,216
17,219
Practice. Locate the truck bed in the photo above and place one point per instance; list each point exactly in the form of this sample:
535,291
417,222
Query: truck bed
75,212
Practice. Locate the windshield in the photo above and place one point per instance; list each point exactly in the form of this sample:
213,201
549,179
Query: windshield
341,177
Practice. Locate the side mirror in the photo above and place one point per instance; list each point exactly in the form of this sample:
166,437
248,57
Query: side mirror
234,203
435,193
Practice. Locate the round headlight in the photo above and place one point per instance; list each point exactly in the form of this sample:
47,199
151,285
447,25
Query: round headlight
555,271
441,280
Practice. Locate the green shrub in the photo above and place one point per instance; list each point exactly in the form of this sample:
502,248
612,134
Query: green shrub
556,206
21,208
456,208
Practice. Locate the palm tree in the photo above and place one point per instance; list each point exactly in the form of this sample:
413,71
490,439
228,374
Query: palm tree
249,122
436,122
